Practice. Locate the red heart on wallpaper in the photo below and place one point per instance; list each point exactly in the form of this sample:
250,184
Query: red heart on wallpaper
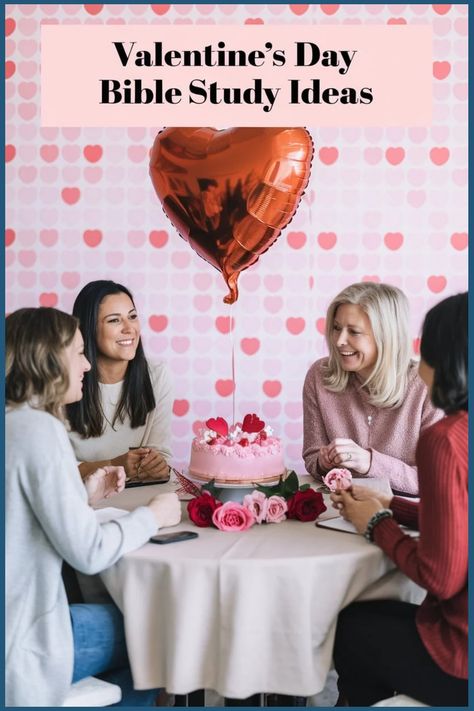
225,388
395,155
441,70
224,324
297,240
93,153
459,240
321,325
328,156
10,25
158,323
180,408
10,153
92,237
93,9
327,240
70,195
250,345
436,283
393,240
10,69
439,156
295,325
219,425
48,299
272,388
299,9
329,9
158,238
441,9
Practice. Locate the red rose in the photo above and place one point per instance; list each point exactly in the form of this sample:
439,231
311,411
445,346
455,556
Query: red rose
306,505
201,508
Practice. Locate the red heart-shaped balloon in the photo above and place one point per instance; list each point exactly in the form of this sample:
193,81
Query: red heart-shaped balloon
230,193
219,425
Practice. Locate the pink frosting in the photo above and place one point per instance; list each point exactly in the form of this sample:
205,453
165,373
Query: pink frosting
272,445
234,463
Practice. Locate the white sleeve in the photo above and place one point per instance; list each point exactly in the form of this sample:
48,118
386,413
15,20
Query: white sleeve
54,490
158,429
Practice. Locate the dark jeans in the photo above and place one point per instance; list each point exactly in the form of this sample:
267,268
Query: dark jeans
378,652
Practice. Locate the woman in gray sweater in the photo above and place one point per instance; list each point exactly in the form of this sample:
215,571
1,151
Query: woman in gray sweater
49,519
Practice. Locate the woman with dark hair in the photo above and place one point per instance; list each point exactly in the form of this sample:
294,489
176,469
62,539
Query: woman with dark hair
124,417
48,643
389,646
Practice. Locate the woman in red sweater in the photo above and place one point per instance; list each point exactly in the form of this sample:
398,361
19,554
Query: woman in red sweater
385,647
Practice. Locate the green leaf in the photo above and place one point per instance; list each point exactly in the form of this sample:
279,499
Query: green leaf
305,487
290,485
211,488
270,490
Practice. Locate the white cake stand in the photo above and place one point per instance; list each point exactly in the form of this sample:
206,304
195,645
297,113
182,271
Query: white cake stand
231,492
236,492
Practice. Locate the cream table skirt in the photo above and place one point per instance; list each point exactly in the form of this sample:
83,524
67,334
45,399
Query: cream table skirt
247,612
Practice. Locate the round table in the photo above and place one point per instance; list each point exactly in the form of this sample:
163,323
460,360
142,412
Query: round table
242,613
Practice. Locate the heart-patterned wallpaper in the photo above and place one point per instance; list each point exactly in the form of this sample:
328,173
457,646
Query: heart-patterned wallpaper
384,204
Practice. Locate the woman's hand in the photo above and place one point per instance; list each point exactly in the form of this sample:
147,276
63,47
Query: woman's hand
154,466
357,512
131,461
346,453
166,509
104,482
361,493
324,463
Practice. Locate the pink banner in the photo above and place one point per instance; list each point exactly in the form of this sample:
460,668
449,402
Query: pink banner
239,76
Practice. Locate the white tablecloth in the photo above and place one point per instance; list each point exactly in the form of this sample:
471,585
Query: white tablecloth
247,612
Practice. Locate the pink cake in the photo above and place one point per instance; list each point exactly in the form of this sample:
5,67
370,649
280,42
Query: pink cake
244,453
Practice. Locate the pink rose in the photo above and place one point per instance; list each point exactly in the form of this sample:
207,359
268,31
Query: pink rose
276,509
232,516
257,504
338,479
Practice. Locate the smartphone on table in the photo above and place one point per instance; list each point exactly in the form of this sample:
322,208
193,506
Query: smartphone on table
174,537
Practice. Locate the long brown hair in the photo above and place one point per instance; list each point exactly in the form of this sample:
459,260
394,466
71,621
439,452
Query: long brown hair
35,369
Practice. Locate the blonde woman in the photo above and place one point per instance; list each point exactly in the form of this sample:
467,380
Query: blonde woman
365,405
48,643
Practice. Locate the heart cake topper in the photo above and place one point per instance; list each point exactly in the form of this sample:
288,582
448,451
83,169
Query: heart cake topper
230,193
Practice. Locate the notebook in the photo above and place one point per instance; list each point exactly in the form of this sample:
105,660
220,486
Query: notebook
340,524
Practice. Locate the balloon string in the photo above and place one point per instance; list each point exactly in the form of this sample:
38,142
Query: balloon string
231,331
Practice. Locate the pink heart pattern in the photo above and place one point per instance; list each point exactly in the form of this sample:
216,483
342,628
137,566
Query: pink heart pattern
383,204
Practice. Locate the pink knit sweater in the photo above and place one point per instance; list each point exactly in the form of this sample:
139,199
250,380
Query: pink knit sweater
391,434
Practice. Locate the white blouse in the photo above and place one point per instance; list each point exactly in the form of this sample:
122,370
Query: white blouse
114,441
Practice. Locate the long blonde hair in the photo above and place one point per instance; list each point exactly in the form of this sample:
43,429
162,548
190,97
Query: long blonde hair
387,309
36,372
